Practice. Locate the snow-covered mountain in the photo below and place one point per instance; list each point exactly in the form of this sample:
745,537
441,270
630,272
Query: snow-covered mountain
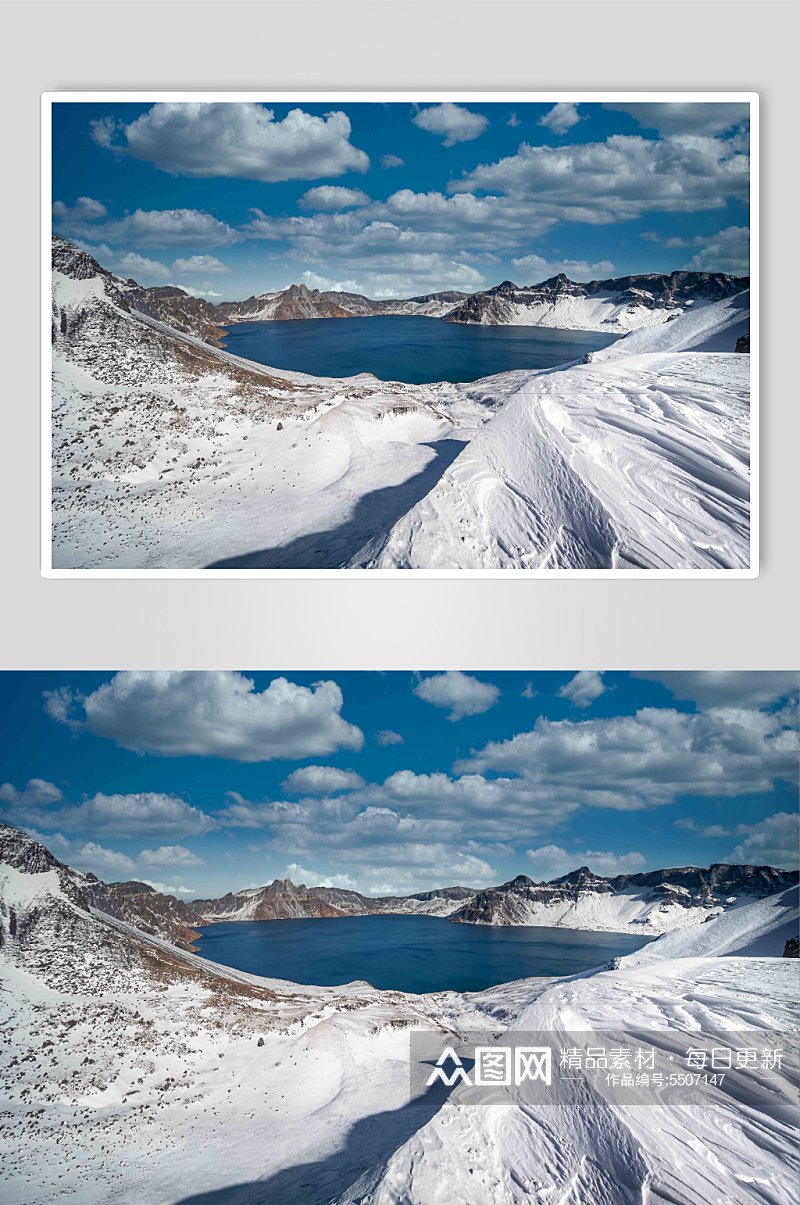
133,1072
636,458
620,305
298,301
169,452
617,306
282,900
651,903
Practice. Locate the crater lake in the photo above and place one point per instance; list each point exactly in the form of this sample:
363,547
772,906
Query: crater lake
407,953
406,348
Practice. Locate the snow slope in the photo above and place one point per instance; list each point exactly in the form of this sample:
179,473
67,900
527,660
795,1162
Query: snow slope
755,928
134,1074
719,1146
168,453
637,462
714,327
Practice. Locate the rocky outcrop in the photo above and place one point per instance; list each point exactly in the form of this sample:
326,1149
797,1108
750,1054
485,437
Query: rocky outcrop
657,899
146,909
743,343
298,302
279,900
620,305
282,900
191,315
792,948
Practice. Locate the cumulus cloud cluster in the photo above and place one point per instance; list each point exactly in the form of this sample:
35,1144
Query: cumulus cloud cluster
455,122
561,118
584,688
421,241
732,735
461,693
210,714
236,140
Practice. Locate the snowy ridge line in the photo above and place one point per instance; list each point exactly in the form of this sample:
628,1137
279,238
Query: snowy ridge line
227,972
219,353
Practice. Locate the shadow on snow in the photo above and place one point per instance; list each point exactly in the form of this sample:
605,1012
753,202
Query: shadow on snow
369,1144
376,512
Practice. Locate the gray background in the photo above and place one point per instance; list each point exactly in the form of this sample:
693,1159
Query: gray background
403,623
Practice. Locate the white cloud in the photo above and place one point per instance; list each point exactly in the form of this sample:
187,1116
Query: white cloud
463,694
575,269
456,123
728,251
529,692
584,688
98,858
513,121
313,878
144,813
196,264
770,842
166,889
211,714
387,737
670,117
331,196
619,179
728,688
391,161
169,855
551,862
193,292
85,209
104,131
240,140
139,267
37,793
321,780
649,759
313,281
157,228
561,118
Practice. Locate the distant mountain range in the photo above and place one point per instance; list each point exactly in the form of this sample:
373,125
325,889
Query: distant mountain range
617,305
650,904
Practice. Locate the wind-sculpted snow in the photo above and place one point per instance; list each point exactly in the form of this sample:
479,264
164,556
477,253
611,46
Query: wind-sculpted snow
641,462
135,1074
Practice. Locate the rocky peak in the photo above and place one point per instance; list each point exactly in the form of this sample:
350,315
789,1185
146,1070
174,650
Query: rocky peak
70,260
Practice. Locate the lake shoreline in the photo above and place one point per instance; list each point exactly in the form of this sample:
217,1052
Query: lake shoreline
396,952
411,349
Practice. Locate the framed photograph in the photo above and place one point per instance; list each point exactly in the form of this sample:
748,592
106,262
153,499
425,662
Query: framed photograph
451,335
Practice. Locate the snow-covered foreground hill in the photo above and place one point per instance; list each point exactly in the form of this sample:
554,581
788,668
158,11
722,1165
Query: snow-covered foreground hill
635,462
135,1074
172,454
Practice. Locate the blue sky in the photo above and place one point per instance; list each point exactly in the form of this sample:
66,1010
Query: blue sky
397,782
230,200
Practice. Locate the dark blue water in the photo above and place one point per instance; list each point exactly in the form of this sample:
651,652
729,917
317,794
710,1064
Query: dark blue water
407,953
404,348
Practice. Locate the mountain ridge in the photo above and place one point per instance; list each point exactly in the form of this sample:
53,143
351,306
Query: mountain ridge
650,902
615,304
